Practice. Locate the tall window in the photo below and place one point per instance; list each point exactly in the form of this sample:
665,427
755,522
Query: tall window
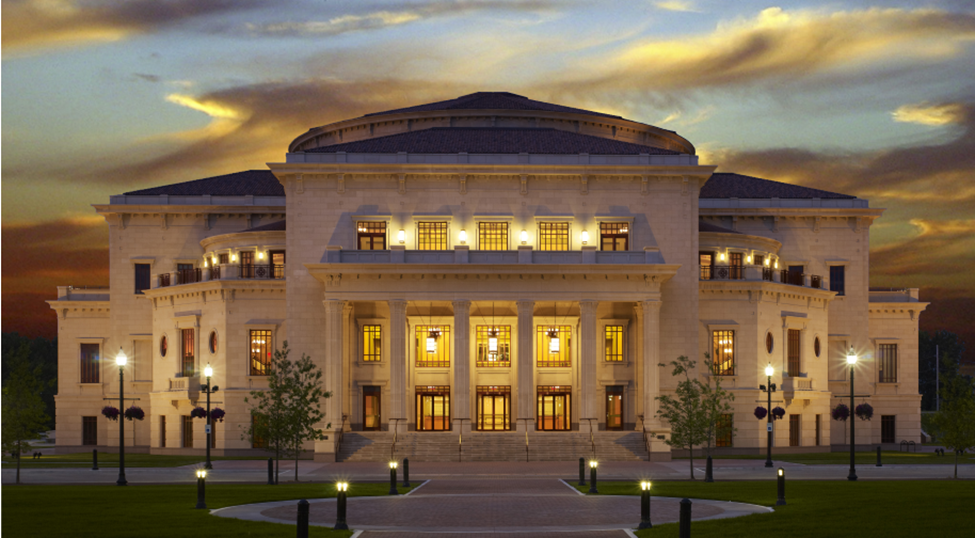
431,236
187,352
795,356
162,431
837,279
372,343
277,263
433,346
706,259
888,363
371,235
187,431
736,264
492,235
493,346
247,264
89,363
725,430
553,346
614,343
723,351
142,277
224,259
553,236
758,259
260,340
888,428
614,236
89,430
794,430
819,425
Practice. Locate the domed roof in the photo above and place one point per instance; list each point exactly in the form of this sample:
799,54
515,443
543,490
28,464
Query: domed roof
492,101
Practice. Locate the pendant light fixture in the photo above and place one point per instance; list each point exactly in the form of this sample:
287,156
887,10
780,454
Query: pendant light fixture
553,333
433,334
492,338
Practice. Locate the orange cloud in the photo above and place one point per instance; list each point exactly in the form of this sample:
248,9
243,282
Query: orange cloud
930,114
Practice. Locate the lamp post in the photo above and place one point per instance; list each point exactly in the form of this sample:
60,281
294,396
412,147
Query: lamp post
592,476
645,505
340,507
851,359
207,372
392,478
770,388
201,485
120,360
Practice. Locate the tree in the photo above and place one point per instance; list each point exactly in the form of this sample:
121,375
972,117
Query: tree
948,348
43,354
290,409
685,411
23,408
715,403
956,420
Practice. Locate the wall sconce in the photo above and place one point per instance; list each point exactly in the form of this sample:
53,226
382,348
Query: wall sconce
585,237
524,237
776,264
748,259
260,255
721,257
204,262
767,261
401,236
463,237
233,257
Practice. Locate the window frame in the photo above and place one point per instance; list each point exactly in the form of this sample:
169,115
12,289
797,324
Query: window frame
93,369
183,332
266,349
444,241
838,285
883,359
542,340
361,233
797,347
365,329
444,349
142,281
481,338
625,235
506,241
620,331
717,356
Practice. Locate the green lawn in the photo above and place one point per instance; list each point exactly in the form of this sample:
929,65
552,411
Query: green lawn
862,458
155,511
82,460
819,508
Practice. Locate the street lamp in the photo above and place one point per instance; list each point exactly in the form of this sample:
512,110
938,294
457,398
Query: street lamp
207,372
770,388
120,360
851,359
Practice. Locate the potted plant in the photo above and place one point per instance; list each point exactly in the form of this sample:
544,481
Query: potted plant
760,412
110,412
778,413
864,411
217,414
198,412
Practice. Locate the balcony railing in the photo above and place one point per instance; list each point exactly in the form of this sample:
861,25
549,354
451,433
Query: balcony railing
164,280
758,272
189,276
265,271
269,271
722,272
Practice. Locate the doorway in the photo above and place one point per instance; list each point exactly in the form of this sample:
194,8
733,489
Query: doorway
433,408
493,408
614,407
554,411
372,398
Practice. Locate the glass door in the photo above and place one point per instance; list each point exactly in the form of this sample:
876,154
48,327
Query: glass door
553,408
493,408
433,408
371,408
614,407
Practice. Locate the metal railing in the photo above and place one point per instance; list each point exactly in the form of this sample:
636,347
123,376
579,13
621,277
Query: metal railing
460,438
215,272
189,276
722,272
646,436
526,436
266,271
767,274
163,280
592,435
392,448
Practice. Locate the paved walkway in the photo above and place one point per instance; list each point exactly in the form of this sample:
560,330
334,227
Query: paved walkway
488,506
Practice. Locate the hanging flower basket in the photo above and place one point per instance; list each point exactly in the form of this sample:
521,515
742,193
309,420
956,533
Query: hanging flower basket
198,412
864,411
841,412
217,414
778,413
760,412
135,413
110,412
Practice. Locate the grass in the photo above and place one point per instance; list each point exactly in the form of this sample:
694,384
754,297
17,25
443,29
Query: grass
823,508
862,458
156,511
82,460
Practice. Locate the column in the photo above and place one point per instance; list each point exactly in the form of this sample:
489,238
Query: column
397,363
587,367
461,401
651,357
333,361
636,348
526,364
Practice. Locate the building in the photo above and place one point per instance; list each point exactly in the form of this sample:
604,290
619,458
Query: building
488,264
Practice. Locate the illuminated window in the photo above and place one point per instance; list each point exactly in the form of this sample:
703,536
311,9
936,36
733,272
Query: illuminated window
736,264
492,236
723,351
431,236
553,345
706,259
89,363
247,264
277,263
725,430
614,343
432,346
187,351
371,235
260,342
553,236
614,236
493,345
888,363
372,343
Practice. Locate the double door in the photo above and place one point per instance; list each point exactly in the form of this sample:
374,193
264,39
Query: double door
433,408
554,412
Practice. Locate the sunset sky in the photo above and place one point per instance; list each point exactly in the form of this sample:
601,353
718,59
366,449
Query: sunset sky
875,99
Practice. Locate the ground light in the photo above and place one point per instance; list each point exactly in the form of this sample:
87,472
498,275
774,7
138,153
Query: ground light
340,506
201,487
392,478
120,360
209,389
645,505
781,475
851,359
592,476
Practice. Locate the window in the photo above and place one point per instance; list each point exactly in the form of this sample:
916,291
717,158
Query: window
888,363
614,343
723,351
162,431
818,427
260,341
258,424
180,267
89,430
817,348
187,352
213,342
492,235
758,259
888,428
795,362
432,346
837,279
163,346
431,236
493,346
553,236
371,235
736,263
187,431
247,264
277,263
724,431
706,259
614,236
372,343
224,259
89,363
769,342
553,345
142,277
794,430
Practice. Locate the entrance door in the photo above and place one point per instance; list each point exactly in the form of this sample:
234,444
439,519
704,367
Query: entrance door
614,407
371,408
554,413
433,408
493,408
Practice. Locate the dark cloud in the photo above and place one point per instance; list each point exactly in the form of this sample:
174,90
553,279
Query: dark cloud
951,310
146,77
29,315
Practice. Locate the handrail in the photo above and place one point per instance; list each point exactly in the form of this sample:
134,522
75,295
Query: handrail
526,436
339,433
460,438
592,436
392,449
646,436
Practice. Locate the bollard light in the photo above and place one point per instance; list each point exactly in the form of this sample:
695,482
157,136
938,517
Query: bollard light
781,500
392,478
340,507
303,509
592,476
406,472
684,530
645,505
201,482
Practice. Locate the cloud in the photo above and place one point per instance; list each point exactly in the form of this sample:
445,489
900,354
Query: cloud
945,247
928,114
676,5
33,24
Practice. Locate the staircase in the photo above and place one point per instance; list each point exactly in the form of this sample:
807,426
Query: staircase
492,446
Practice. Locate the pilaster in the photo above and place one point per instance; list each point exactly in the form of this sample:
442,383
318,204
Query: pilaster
526,365
397,364
461,408
587,369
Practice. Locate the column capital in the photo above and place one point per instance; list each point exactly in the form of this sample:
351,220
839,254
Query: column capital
461,304
588,306
524,304
396,303
651,305
334,305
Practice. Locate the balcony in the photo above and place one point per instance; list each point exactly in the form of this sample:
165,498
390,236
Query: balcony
220,272
524,255
793,385
187,387
758,272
